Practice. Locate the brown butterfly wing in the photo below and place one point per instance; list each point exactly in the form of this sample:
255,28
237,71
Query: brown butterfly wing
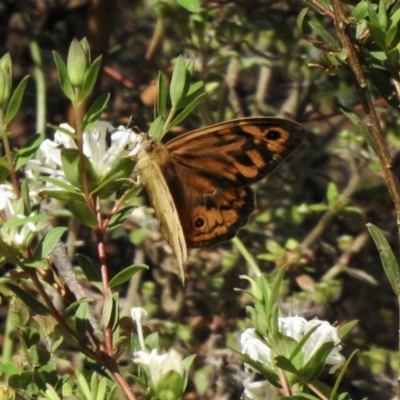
237,153
209,170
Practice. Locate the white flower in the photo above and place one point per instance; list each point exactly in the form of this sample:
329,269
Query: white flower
323,334
137,314
158,365
259,390
297,327
18,236
102,157
255,348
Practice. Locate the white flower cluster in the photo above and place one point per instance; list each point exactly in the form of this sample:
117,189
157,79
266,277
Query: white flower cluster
156,365
296,328
95,148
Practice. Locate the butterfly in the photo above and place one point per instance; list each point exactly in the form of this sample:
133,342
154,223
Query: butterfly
198,183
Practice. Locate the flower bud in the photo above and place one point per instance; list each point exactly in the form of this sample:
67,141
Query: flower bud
5,78
77,63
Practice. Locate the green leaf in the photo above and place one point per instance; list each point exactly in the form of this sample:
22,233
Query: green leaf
19,317
382,15
377,33
31,302
65,83
76,304
185,112
95,111
26,153
20,381
15,101
81,321
285,364
394,29
107,308
193,6
170,386
179,82
23,221
388,259
300,19
118,218
361,128
90,78
156,128
332,194
193,93
73,171
115,178
360,11
162,96
48,242
101,389
31,336
61,195
314,365
83,213
83,385
346,329
126,274
90,270
323,34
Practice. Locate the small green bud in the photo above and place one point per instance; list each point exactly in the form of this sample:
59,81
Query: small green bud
77,63
5,87
6,64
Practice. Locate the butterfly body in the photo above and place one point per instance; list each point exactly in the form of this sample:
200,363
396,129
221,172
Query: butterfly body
204,176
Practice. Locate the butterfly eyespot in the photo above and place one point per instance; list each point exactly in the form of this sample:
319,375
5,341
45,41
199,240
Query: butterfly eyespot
199,222
273,135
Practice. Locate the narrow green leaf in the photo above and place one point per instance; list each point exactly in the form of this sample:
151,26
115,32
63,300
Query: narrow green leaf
81,321
76,304
377,33
323,34
31,302
101,390
185,112
162,96
285,364
179,82
107,308
90,78
89,269
23,221
61,195
156,128
382,15
95,111
48,242
118,218
94,385
345,330
15,101
83,385
126,274
83,213
28,150
72,169
63,76
194,91
361,127
300,19
115,178
388,259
